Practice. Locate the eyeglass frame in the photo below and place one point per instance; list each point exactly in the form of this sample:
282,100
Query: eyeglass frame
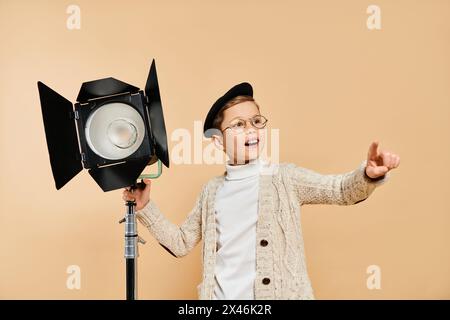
248,120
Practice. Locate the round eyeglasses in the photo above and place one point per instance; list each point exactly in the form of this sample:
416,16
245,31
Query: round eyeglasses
238,125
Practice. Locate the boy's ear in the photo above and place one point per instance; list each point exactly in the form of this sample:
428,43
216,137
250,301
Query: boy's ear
218,141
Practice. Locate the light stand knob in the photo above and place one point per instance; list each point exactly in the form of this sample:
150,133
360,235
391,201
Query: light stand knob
140,240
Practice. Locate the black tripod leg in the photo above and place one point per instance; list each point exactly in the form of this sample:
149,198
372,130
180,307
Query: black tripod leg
131,278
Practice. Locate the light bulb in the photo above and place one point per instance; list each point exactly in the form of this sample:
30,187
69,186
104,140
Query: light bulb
122,133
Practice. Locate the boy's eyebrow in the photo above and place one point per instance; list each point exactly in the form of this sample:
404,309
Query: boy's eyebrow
257,114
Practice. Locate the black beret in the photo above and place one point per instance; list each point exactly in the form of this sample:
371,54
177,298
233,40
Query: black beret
242,89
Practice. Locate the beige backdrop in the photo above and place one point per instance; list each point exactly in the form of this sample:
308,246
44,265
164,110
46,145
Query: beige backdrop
327,82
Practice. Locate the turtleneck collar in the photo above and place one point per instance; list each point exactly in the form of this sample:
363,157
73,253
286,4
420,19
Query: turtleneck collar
242,171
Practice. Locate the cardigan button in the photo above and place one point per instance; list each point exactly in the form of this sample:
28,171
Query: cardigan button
266,281
264,243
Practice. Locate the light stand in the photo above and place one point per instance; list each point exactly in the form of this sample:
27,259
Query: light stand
132,239
115,131
131,250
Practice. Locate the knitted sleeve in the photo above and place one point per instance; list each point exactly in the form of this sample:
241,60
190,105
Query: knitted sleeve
342,189
178,240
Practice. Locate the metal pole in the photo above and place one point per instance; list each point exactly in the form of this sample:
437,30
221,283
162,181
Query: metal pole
131,250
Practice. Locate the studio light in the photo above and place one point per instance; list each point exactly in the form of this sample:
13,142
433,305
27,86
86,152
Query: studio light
115,131
121,130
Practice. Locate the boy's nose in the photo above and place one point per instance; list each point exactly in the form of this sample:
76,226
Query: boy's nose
248,124
249,129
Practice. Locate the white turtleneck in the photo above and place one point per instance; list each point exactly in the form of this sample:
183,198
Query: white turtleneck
236,206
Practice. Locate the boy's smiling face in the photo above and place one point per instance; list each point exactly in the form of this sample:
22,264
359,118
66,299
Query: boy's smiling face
240,147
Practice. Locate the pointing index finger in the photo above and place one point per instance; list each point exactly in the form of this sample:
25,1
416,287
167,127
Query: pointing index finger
373,150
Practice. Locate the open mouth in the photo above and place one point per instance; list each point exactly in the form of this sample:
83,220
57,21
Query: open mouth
251,142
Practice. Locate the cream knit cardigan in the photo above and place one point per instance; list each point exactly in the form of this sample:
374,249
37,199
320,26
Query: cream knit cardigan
283,189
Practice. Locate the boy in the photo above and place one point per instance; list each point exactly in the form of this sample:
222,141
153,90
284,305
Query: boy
249,217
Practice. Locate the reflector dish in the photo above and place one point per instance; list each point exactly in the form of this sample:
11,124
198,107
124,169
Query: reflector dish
115,130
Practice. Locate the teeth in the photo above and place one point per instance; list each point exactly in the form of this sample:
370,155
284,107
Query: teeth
250,142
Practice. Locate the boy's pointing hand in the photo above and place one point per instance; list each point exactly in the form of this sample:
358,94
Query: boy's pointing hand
380,162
